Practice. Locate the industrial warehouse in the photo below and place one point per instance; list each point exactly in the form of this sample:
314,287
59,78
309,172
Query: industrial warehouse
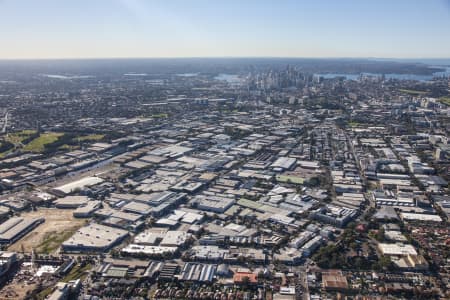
94,238
16,227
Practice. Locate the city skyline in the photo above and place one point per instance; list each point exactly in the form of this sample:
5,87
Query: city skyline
51,29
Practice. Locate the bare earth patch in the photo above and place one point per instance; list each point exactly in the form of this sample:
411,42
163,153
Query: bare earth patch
59,225
16,290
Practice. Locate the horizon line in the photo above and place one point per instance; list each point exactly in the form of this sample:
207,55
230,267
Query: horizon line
223,57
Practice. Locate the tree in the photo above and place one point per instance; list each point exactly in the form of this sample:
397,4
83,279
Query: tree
380,235
115,253
330,257
383,263
241,259
260,276
245,281
314,181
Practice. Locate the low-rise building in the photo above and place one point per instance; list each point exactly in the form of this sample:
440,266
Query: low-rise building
334,280
397,249
197,272
16,227
94,238
87,210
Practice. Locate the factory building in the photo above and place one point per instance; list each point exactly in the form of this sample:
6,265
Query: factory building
16,227
94,238
198,272
76,185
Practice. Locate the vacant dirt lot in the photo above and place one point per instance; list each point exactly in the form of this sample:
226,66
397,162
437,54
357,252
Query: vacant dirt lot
58,226
16,290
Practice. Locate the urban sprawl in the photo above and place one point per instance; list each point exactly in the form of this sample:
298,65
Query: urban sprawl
274,183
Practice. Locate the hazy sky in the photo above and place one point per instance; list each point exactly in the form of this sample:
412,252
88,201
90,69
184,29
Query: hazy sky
198,28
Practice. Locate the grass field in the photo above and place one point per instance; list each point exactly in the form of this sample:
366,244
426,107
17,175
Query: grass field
77,272
159,116
38,144
52,240
353,124
445,100
68,147
291,179
45,293
90,137
413,92
18,137
2,154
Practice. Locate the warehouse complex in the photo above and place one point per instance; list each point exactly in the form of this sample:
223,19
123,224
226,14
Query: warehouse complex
16,227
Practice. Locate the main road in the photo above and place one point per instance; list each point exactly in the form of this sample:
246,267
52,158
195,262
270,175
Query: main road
5,122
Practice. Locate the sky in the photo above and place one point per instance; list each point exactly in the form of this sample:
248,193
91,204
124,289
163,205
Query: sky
224,28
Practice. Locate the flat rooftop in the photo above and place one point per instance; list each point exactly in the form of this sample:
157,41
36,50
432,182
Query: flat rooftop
95,236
